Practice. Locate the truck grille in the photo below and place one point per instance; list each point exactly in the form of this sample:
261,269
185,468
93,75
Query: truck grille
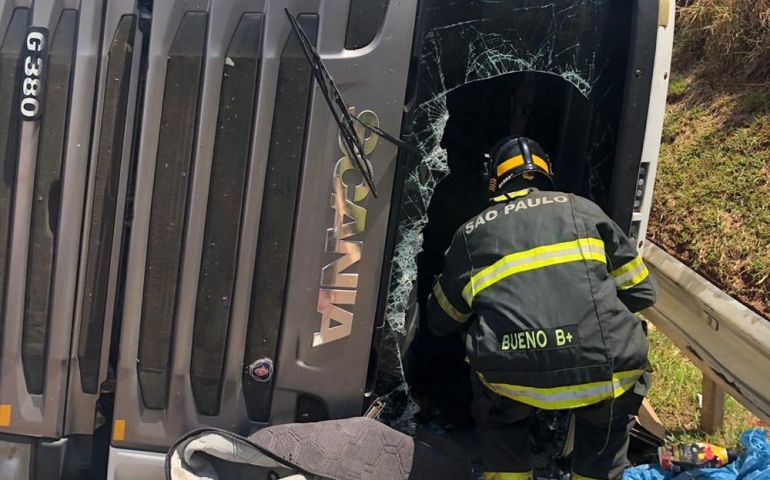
234,179
175,194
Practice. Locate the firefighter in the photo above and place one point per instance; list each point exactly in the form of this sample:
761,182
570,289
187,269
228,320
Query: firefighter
545,286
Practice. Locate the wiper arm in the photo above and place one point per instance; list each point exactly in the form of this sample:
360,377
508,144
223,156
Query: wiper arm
339,108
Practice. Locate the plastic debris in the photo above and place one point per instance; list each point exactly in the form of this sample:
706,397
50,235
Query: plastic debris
752,464
690,456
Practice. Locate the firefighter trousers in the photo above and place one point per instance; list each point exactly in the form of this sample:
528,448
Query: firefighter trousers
601,434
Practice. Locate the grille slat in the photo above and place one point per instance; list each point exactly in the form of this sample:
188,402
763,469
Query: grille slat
10,90
45,203
279,204
102,218
364,21
223,218
169,201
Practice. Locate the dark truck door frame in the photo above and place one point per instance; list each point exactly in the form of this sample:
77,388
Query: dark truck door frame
629,175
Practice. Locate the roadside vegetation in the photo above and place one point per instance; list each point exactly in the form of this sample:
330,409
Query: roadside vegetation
712,195
674,396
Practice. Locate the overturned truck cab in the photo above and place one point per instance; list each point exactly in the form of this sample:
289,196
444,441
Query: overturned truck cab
586,80
184,242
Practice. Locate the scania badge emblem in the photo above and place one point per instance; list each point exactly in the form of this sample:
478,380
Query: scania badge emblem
261,370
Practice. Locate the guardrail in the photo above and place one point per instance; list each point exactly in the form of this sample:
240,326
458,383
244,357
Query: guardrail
729,342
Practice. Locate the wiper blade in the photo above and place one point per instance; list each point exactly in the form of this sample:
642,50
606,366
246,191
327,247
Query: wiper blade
339,109
382,133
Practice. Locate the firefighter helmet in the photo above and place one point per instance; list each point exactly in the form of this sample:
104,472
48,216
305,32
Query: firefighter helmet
514,157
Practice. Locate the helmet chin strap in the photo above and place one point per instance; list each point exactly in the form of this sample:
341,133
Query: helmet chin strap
515,184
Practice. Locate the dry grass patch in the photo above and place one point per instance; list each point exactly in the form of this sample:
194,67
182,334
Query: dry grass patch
729,38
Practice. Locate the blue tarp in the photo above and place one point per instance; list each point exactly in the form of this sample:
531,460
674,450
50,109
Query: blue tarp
753,464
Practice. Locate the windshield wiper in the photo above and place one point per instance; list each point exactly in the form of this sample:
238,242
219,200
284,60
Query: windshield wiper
339,109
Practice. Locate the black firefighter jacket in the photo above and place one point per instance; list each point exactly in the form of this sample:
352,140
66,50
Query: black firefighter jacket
545,285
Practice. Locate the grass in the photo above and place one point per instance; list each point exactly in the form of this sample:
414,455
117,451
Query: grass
754,102
677,88
712,196
674,396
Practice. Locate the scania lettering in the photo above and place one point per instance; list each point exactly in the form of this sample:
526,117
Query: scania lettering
337,321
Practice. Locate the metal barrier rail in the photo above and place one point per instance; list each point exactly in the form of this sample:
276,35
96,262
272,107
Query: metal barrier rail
726,340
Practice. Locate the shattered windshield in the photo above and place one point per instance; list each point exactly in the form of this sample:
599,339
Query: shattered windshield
550,70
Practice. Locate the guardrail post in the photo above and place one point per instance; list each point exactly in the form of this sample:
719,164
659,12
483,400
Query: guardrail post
717,333
713,408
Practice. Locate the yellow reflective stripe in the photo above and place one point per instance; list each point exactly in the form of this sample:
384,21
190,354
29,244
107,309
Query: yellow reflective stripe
508,475
631,274
511,196
627,267
572,396
635,280
510,164
590,245
448,308
541,163
545,256
577,476
518,161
